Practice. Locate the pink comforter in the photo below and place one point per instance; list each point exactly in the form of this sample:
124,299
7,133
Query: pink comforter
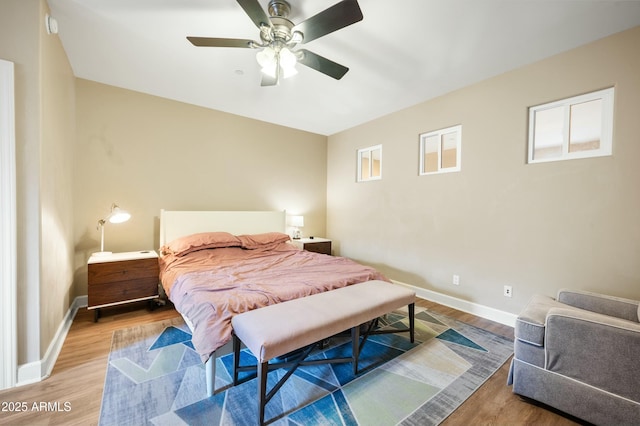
211,286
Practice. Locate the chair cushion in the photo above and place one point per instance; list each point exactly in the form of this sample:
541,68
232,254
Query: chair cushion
618,307
532,320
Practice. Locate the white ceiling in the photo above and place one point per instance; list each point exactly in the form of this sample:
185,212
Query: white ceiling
402,52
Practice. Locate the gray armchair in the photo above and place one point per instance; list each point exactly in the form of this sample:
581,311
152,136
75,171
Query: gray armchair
580,353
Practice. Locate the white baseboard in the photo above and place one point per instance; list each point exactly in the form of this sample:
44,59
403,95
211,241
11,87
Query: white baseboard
39,370
486,312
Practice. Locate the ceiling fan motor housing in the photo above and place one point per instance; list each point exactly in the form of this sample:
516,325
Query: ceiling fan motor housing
281,27
280,30
279,8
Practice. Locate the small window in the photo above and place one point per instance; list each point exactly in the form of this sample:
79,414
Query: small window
370,163
577,127
440,151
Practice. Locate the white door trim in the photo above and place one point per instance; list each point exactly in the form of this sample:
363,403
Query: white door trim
8,247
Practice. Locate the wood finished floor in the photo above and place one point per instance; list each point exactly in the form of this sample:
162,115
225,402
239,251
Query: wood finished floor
78,376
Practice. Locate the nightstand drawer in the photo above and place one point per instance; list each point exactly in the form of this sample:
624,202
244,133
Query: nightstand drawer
109,272
316,245
323,247
120,291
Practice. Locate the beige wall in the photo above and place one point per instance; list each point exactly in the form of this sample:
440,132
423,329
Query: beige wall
147,153
500,221
56,185
44,131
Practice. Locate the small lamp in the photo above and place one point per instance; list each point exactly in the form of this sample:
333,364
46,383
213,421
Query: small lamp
296,222
117,215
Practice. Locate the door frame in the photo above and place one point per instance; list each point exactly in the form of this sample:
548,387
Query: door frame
8,229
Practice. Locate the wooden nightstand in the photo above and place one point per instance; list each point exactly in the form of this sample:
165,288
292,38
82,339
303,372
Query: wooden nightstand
118,278
318,245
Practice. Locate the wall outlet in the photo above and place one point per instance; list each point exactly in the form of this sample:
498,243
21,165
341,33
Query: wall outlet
508,291
456,280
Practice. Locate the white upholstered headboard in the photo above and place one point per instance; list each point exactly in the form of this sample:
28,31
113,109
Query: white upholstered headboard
179,223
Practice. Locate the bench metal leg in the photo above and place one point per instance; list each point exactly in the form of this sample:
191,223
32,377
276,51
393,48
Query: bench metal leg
263,369
210,373
356,345
236,358
412,321
355,348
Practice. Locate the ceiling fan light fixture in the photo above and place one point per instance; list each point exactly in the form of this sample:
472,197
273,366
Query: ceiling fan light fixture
288,72
267,57
288,59
268,60
272,62
270,70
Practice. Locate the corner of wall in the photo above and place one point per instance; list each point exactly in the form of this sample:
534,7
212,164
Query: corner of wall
37,371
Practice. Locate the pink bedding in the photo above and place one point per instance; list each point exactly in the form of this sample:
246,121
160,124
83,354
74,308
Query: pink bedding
211,286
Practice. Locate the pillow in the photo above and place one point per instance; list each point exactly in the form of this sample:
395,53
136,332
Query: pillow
201,241
266,240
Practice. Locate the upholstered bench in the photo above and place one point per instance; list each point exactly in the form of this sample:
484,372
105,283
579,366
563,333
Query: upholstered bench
279,329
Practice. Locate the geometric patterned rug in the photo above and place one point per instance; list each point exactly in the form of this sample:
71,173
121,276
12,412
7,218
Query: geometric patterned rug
155,377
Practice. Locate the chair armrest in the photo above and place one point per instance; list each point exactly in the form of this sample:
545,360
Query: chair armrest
608,305
595,349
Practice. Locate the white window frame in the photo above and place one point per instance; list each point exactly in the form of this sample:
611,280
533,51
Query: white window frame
369,151
606,129
440,133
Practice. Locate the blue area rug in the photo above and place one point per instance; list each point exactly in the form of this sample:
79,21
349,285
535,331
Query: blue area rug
155,377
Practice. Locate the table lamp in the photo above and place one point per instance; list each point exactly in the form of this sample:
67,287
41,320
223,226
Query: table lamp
296,222
117,215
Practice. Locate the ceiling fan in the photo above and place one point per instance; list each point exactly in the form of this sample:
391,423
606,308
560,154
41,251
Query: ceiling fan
279,36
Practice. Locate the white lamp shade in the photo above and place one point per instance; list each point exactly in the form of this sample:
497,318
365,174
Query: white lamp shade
288,72
118,215
268,61
297,221
266,56
287,58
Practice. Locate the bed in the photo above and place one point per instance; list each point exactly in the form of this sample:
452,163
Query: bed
217,264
